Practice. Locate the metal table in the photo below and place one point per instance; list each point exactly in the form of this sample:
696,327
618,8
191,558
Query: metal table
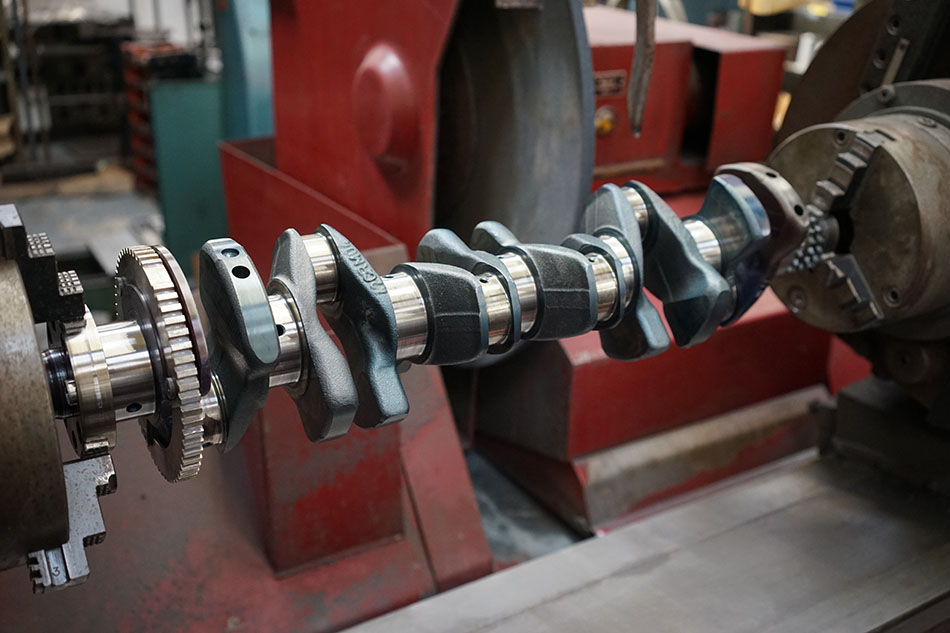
814,544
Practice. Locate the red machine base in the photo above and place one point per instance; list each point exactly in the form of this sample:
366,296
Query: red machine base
597,492
189,557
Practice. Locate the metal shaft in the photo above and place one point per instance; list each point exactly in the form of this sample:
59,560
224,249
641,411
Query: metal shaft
410,309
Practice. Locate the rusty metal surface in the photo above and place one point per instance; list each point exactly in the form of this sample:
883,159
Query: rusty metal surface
598,491
33,493
814,545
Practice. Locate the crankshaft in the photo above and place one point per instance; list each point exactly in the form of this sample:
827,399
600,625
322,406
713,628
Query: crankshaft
193,383
335,333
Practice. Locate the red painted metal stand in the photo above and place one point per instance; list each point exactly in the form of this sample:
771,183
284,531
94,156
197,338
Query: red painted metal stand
371,489
190,558
576,435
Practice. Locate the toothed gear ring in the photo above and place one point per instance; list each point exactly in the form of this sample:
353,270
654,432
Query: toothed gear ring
151,290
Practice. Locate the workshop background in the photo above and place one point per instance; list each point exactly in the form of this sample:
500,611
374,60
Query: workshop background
174,122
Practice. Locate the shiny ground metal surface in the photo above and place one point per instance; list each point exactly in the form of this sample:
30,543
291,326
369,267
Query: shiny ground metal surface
813,545
149,291
525,286
290,341
33,494
93,429
412,321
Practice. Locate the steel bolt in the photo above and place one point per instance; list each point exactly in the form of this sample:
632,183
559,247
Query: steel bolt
886,94
797,300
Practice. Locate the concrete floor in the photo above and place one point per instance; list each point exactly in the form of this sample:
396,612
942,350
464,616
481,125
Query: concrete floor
517,526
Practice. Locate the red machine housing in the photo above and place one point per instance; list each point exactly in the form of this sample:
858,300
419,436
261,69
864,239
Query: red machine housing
355,98
702,109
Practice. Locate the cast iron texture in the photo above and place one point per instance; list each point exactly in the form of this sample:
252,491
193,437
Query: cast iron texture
696,298
445,247
458,316
589,245
567,302
326,395
365,323
736,217
641,332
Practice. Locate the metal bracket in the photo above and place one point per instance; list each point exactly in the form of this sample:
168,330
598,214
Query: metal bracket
66,565
54,295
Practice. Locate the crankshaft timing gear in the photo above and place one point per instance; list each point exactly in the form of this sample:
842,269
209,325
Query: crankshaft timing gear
151,290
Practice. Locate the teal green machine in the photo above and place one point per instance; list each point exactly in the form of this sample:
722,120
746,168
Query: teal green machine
191,116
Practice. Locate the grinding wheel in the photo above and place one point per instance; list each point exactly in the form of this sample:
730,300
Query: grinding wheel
516,120
33,492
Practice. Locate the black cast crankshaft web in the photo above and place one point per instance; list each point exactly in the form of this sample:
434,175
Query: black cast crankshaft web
462,301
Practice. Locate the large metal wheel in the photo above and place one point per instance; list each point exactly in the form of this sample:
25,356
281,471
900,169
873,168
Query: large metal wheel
516,120
34,512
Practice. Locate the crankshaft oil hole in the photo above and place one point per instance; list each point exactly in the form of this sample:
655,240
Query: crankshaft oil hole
134,407
893,296
799,210
281,330
241,272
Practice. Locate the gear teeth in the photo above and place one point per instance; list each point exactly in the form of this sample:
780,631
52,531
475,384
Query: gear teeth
181,459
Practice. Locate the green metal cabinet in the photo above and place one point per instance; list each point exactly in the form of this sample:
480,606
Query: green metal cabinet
187,123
